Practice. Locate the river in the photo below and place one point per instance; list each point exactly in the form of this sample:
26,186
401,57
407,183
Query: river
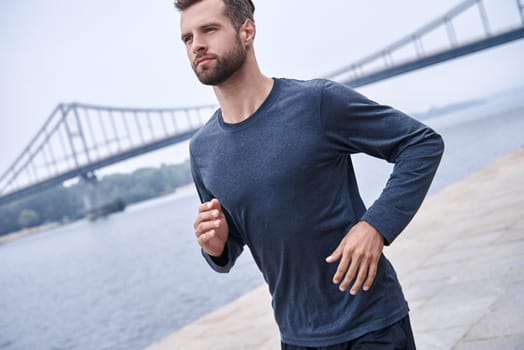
126,281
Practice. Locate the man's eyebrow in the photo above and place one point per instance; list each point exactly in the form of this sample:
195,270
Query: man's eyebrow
201,27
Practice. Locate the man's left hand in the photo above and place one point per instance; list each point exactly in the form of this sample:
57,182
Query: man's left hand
359,253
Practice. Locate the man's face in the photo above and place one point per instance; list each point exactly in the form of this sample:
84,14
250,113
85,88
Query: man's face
212,43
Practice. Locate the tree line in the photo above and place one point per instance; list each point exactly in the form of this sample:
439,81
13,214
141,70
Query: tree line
66,203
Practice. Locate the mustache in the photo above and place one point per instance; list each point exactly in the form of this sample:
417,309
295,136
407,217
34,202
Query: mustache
202,56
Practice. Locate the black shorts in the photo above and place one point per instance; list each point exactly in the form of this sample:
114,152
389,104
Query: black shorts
398,336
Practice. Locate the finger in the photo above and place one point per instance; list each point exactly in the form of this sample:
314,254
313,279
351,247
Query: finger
350,274
372,273
212,204
204,207
207,226
206,216
362,273
342,268
215,204
206,237
337,253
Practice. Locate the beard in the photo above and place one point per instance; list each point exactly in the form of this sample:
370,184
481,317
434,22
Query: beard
224,67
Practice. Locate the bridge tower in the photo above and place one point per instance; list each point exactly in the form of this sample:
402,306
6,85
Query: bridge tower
520,4
93,197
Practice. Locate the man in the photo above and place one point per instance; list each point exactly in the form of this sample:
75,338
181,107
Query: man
273,170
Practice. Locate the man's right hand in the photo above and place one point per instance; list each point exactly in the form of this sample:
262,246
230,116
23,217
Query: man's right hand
211,228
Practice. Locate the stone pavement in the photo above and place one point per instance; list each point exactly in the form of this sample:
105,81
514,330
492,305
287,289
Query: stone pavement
460,262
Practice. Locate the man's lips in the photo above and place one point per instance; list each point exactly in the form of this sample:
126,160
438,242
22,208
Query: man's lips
202,60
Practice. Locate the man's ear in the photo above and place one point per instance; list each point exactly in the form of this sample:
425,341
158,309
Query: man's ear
248,31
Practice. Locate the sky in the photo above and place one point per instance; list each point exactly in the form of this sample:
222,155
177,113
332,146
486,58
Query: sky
129,54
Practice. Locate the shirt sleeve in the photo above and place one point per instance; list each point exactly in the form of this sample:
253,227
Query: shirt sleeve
234,245
354,124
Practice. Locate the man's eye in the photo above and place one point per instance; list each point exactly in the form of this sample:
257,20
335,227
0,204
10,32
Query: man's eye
187,39
209,30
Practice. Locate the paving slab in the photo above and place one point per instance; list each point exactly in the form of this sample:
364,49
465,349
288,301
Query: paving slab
440,339
497,343
460,263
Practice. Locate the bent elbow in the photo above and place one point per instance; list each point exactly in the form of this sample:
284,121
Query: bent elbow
439,144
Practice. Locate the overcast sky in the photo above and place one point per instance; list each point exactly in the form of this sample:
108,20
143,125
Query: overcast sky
128,53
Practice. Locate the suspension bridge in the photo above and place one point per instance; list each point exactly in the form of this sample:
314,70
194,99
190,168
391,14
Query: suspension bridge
78,139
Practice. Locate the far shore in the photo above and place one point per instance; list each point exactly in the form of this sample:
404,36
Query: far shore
9,237
28,231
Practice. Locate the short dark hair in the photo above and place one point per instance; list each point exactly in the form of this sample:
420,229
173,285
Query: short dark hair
237,10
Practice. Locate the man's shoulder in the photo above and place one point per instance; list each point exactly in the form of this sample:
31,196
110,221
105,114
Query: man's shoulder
316,87
209,128
314,84
292,91
298,84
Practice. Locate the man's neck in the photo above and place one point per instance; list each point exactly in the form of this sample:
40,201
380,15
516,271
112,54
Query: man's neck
242,94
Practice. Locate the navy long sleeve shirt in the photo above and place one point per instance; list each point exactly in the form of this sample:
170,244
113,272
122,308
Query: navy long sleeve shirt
286,183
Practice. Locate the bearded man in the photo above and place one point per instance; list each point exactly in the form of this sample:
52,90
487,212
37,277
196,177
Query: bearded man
273,171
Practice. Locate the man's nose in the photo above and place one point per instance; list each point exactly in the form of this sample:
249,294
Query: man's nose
198,44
